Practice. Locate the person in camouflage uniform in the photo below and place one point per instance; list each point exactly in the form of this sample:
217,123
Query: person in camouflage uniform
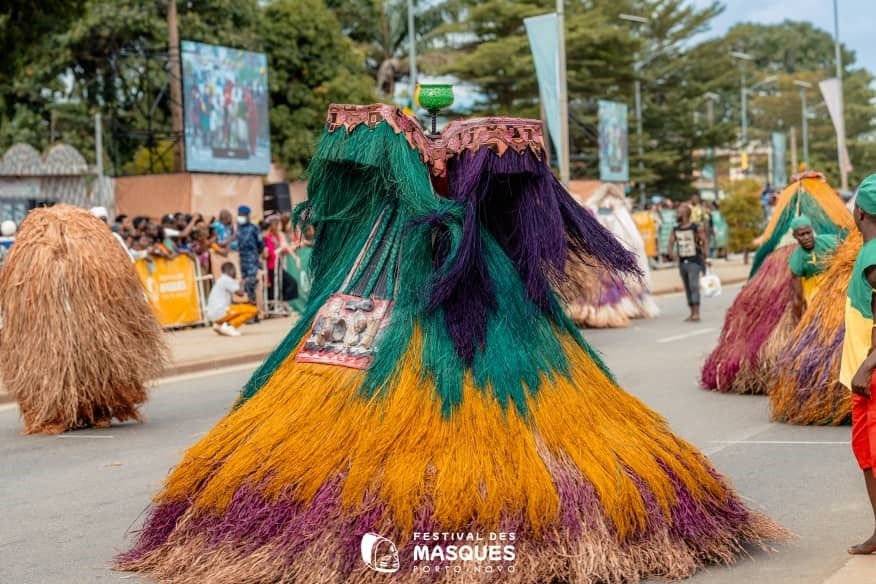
250,246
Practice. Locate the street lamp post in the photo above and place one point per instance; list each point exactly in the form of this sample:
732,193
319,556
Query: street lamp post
565,171
412,49
640,148
713,152
841,136
803,85
744,91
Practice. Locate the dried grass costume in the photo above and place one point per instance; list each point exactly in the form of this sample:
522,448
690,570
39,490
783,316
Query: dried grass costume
79,340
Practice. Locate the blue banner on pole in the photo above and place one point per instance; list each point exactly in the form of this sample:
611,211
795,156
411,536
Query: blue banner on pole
614,159
780,159
542,33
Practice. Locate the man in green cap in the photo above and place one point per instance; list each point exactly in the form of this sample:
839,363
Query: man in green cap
859,358
809,260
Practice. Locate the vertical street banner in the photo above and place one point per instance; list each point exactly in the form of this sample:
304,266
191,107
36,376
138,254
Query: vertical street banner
831,90
708,172
542,33
780,159
171,287
614,159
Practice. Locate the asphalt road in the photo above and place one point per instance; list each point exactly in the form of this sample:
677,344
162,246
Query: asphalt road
66,502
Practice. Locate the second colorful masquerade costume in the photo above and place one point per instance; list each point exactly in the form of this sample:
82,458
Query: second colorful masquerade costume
805,385
597,298
761,319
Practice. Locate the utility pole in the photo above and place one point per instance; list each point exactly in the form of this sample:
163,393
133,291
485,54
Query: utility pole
743,93
805,129
412,49
803,85
176,99
637,89
564,95
640,150
710,113
793,150
841,136
98,156
744,113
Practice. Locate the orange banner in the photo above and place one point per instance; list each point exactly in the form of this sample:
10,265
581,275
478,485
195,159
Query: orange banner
648,231
172,289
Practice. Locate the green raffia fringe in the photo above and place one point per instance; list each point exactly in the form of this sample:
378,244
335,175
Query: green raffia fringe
354,178
802,203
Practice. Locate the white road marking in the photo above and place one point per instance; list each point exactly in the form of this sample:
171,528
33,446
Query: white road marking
205,373
793,442
738,437
175,379
695,333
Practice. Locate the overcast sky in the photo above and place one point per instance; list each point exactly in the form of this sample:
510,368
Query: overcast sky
857,19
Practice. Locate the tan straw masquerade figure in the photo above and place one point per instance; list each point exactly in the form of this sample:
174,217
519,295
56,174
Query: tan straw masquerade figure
79,340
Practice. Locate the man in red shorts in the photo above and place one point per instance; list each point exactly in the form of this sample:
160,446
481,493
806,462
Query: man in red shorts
859,356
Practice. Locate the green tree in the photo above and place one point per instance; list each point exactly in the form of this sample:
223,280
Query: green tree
744,214
110,57
311,65
150,160
796,51
25,30
601,51
379,29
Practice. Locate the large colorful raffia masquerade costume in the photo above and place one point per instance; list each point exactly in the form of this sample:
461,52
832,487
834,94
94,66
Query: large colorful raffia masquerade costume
761,319
595,297
79,340
753,317
807,194
475,407
806,388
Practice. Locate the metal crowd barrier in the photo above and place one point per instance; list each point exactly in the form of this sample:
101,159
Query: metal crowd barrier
275,306
172,309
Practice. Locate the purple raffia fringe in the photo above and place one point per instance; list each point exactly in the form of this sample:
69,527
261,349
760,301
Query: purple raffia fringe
251,524
535,221
750,320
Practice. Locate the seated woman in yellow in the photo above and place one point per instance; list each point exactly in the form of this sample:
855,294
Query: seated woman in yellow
809,261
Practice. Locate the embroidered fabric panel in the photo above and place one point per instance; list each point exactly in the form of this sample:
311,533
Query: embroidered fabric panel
346,332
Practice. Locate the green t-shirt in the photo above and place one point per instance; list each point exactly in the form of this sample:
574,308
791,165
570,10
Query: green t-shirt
859,315
811,263
860,292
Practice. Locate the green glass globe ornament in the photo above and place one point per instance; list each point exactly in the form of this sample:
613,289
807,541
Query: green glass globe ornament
433,98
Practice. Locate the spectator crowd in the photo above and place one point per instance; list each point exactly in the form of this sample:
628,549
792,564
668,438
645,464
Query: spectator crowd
272,246
663,213
271,252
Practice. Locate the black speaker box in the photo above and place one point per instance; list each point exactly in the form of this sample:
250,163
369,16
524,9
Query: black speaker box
276,199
